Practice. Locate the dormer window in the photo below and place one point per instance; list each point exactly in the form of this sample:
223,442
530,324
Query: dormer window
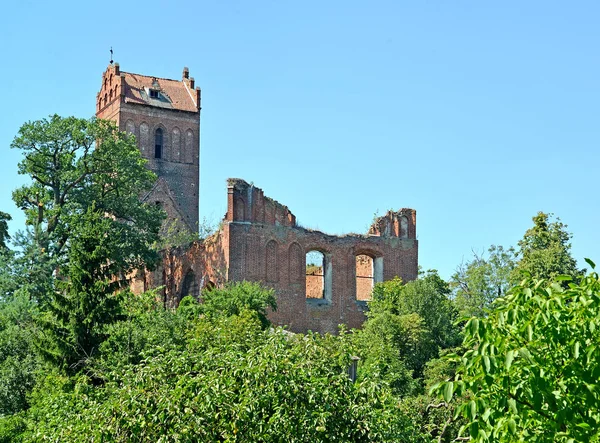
153,93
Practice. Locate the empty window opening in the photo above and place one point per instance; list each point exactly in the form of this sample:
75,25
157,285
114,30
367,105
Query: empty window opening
190,286
318,276
364,277
315,274
369,271
158,143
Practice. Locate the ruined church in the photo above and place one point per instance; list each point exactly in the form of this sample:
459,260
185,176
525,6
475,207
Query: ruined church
320,280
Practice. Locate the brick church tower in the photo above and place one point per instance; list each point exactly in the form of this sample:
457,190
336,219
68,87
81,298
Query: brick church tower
164,116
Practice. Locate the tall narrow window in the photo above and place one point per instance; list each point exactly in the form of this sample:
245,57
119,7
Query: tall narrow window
158,143
315,274
318,276
364,277
369,271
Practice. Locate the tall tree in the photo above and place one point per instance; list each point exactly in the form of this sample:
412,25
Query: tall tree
477,283
545,250
407,326
89,228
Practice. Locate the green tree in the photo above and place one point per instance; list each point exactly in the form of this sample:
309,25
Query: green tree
89,228
236,297
545,250
532,366
75,164
477,283
4,219
407,325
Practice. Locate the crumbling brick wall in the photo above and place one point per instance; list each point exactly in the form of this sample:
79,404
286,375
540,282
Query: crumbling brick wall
259,240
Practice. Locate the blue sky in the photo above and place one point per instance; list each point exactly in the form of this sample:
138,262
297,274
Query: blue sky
476,114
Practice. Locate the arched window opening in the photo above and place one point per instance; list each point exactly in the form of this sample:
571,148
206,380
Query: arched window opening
364,277
190,286
315,274
369,271
158,143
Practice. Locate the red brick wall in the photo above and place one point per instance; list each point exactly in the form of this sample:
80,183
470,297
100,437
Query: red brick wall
259,241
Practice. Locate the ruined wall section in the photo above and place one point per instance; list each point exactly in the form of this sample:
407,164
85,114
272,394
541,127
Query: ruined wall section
187,270
247,203
270,248
260,241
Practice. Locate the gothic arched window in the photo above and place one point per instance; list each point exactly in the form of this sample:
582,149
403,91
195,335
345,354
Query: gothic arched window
158,143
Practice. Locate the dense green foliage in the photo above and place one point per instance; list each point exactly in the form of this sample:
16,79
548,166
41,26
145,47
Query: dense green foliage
532,366
234,298
221,379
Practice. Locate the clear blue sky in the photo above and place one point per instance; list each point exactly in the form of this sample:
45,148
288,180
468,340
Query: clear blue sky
477,114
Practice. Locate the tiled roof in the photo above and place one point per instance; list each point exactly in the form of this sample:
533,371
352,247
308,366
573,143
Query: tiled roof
177,94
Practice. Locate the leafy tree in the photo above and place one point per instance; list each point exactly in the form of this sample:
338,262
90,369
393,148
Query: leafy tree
428,297
236,297
74,165
532,366
4,219
477,283
407,325
545,250
88,228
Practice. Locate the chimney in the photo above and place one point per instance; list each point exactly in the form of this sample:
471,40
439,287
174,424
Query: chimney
117,69
192,81
186,74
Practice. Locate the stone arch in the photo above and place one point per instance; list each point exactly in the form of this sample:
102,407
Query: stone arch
176,145
296,263
190,286
144,139
271,261
189,146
